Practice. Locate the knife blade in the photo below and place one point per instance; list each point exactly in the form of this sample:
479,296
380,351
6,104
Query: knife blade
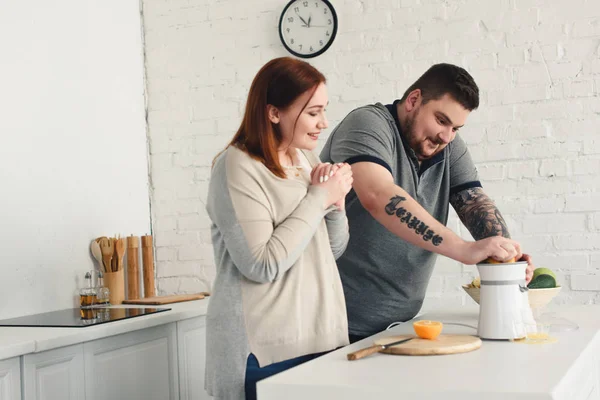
357,355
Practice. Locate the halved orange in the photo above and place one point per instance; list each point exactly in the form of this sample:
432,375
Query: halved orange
428,329
491,260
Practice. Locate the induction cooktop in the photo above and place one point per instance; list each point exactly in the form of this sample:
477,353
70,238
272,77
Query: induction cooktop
80,317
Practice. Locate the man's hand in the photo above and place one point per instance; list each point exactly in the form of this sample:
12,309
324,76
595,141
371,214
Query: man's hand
497,247
530,266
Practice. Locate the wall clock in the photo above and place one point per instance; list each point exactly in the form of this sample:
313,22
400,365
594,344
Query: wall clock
308,27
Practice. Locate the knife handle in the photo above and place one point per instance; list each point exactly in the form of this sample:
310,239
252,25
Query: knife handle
367,351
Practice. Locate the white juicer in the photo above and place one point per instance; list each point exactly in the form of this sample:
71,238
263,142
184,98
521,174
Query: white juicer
504,303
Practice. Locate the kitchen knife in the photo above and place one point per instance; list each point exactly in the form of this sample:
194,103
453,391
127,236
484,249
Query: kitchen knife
374,349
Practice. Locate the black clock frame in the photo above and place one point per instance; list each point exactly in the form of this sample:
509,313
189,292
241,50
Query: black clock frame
318,53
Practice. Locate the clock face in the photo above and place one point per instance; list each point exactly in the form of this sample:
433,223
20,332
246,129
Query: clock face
307,27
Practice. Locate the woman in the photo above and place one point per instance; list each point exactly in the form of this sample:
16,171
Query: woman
278,224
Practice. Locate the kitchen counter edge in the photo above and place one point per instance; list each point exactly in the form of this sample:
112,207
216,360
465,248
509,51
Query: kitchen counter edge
18,341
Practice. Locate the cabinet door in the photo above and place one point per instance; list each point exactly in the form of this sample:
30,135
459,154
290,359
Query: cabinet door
136,365
54,375
191,346
10,379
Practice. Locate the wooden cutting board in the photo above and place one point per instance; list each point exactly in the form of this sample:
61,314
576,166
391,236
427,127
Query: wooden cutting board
175,298
444,344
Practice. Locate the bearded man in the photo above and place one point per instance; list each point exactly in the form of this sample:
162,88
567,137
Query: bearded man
409,165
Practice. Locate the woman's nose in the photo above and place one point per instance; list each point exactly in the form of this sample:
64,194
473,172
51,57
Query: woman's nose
323,124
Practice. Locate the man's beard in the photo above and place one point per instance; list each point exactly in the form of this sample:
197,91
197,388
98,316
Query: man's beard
409,134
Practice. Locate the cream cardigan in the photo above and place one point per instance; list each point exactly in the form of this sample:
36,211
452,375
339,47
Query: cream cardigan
277,293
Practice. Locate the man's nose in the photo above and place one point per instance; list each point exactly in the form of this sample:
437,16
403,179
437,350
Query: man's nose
446,136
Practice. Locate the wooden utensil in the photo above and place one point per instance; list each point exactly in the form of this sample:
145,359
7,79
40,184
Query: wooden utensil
133,272
113,261
120,252
444,344
97,253
148,265
98,239
358,354
107,249
176,298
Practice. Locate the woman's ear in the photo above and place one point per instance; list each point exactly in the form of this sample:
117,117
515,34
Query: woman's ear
273,113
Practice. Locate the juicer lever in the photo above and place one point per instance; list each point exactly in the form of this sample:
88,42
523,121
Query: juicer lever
523,287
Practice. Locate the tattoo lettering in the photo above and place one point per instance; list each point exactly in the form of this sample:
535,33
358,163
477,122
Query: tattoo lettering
421,229
479,214
412,221
400,212
429,235
391,206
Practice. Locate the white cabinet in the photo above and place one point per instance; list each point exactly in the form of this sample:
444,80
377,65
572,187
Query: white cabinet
10,379
165,362
54,374
136,365
191,340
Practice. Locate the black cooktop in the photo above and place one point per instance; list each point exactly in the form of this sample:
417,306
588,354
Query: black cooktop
80,317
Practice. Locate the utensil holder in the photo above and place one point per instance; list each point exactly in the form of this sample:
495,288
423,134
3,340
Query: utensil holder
115,282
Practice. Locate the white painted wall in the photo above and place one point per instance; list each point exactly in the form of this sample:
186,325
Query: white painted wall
73,162
535,137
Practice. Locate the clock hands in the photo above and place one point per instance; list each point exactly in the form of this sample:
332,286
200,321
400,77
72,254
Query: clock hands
306,24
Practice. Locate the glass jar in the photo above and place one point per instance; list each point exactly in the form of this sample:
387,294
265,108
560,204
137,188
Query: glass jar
102,291
88,294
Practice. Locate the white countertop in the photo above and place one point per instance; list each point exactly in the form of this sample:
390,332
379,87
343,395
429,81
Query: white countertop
17,341
567,369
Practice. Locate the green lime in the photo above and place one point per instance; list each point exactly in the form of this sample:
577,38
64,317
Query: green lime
543,271
542,282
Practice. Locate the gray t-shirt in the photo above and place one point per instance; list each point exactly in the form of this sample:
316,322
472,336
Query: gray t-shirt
384,277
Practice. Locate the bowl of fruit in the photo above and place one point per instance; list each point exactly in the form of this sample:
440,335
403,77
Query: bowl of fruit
542,288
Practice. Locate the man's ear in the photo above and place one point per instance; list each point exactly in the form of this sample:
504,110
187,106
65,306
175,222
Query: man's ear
413,100
273,113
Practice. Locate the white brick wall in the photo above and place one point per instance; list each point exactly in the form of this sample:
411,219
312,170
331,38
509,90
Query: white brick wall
535,137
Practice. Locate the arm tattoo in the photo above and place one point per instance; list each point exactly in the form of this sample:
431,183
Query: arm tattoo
413,222
479,214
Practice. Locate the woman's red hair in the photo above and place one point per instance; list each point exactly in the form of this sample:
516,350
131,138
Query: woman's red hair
278,83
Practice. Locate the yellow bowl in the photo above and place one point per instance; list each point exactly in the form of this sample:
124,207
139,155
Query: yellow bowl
538,298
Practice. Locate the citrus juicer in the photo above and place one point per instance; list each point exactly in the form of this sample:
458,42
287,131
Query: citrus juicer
504,304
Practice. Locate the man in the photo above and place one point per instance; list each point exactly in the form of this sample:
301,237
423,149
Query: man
408,165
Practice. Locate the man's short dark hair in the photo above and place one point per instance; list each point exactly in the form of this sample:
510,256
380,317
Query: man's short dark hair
442,79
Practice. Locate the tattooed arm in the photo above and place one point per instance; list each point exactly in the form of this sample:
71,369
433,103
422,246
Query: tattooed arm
402,215
481,217
479,213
